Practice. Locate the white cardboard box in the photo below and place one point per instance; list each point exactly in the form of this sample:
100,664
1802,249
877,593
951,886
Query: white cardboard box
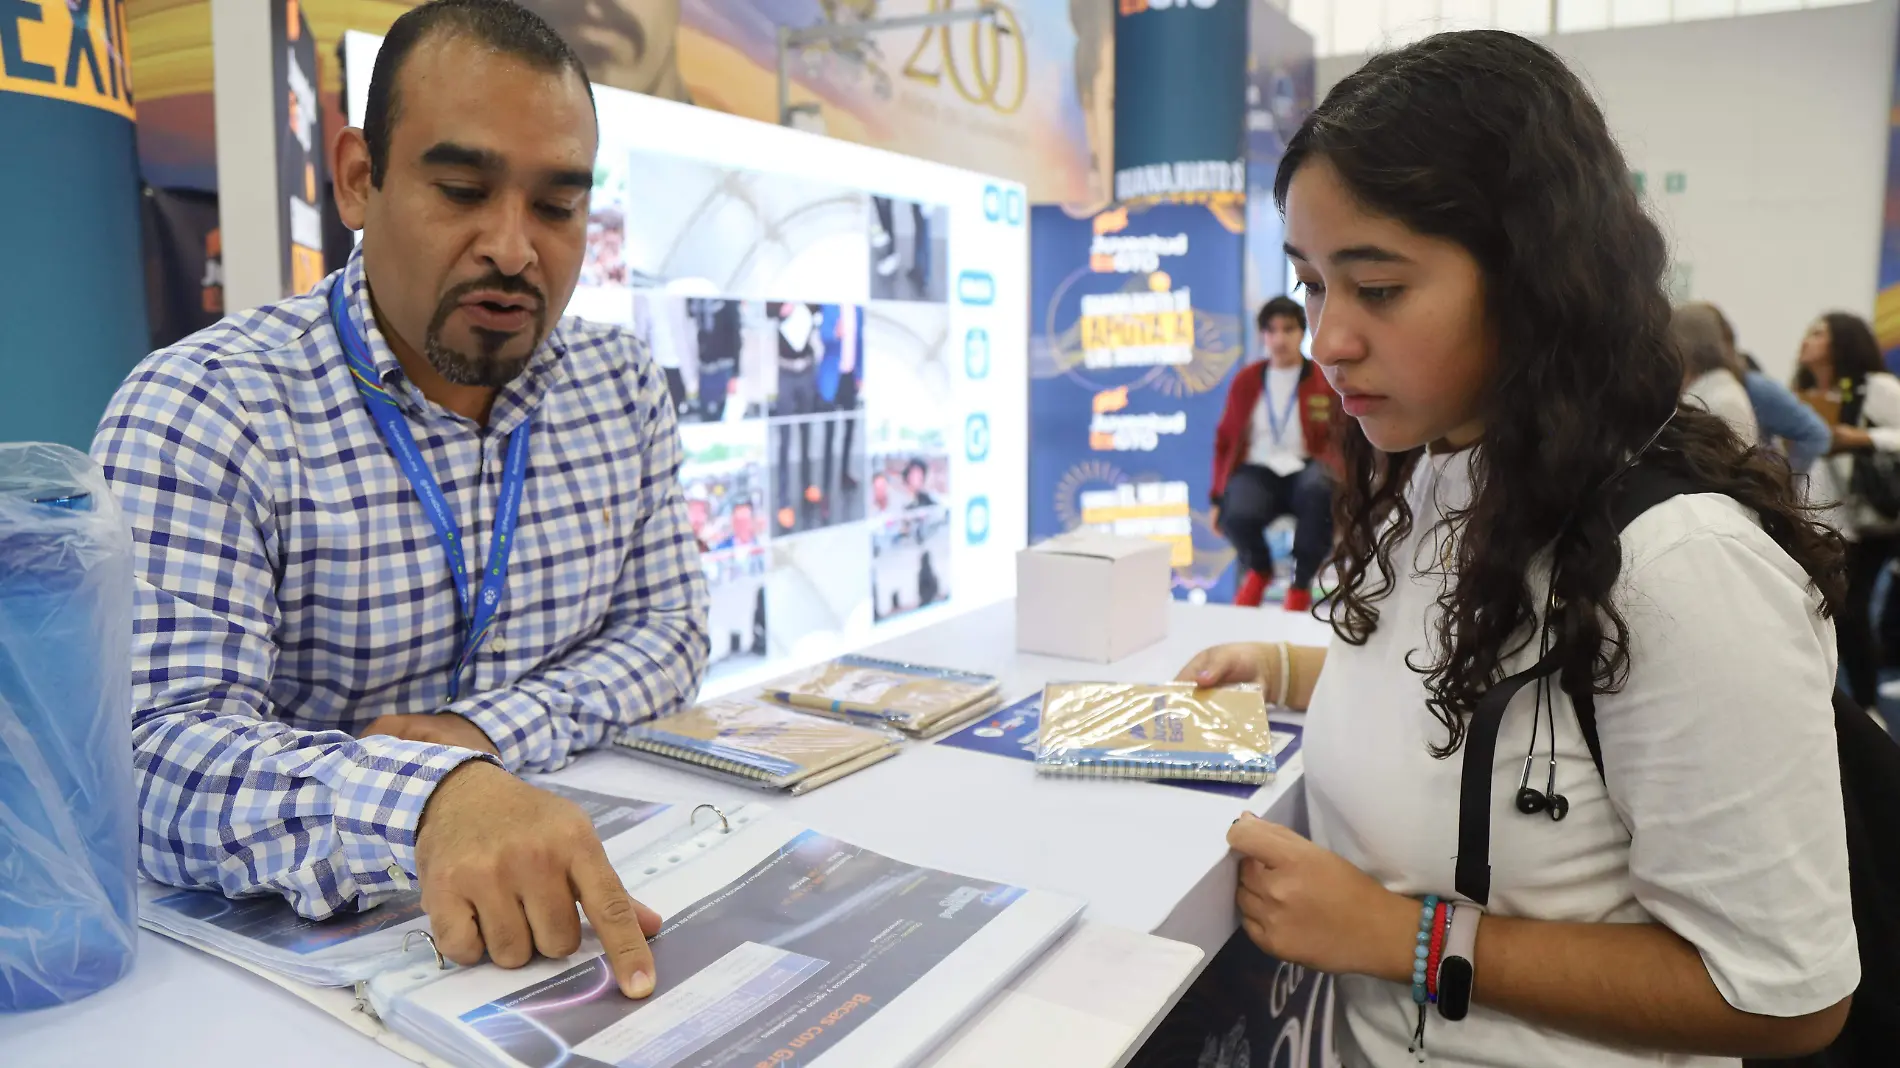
1088,596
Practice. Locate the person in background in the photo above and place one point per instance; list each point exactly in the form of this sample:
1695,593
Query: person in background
1841,374
800,347
1711,376
745,524
1804,436
720,335
410,533
1275,455
1488,298
916,474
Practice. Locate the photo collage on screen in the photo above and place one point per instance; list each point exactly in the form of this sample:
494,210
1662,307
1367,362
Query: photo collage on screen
815,426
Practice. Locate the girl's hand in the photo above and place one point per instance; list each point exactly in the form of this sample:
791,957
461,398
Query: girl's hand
1308,906
1226,665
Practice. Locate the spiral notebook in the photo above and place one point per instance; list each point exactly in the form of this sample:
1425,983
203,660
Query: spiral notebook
781,945
919,700
1166,731
763,744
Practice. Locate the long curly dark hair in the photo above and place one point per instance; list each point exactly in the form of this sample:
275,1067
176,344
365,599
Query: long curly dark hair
1852,349
1486,139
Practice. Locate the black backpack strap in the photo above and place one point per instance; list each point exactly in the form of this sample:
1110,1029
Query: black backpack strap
1637,491
1473,877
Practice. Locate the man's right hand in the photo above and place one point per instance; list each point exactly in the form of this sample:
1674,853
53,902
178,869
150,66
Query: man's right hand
1227,665
502,864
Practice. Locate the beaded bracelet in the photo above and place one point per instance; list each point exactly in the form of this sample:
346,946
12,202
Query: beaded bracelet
1441,926
1427,921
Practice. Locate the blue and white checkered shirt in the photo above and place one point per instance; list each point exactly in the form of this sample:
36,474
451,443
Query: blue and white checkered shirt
291,590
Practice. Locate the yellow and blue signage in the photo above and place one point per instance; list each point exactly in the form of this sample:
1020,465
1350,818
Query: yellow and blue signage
72,51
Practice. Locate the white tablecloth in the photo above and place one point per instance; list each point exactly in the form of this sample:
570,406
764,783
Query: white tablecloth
1148,858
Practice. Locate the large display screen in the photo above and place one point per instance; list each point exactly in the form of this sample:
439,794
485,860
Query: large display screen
843,331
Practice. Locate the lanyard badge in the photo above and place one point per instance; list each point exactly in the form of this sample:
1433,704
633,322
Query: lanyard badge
478,606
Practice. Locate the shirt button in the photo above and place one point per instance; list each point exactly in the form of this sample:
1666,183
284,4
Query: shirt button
497,646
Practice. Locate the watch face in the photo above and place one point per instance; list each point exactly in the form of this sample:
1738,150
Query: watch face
1454,988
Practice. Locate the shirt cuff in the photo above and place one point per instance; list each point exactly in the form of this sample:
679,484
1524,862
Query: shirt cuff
379,806
519,723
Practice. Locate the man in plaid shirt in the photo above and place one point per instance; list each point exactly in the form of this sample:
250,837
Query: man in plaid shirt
323,711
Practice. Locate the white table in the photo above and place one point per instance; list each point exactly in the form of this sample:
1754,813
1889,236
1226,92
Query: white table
1148,858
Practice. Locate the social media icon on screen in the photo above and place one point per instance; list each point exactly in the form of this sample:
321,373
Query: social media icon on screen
976,287
976,521
976,353
976,437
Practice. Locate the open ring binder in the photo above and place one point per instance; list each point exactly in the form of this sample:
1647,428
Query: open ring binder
725,825
433,948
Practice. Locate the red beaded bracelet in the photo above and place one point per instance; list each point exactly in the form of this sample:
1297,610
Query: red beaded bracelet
1441,924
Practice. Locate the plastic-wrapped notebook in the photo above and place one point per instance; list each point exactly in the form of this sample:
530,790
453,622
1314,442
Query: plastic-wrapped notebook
1168,731
763,744
912,697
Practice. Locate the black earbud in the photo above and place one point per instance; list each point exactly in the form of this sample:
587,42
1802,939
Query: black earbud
1530,800
1555,803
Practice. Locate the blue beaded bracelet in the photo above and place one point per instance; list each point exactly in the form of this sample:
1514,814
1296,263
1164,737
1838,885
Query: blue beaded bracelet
1425,915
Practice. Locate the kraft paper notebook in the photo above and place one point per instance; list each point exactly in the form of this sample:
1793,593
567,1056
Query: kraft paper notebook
1166,731
763,744
921,701
780,943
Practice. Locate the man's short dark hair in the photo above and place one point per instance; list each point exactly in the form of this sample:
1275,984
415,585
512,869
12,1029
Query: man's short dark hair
1277,307
500,24
918,466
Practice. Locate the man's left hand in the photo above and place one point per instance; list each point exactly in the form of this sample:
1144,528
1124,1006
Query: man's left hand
439,728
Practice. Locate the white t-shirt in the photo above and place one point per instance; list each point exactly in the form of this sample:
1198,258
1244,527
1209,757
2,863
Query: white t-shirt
1828,482
1285,452
1722,394
1722,818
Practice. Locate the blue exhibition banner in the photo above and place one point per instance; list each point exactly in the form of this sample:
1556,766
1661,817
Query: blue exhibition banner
1179,67
1136,329
1887,297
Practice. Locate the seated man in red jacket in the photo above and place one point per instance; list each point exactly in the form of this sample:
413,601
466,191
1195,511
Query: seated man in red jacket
1275,454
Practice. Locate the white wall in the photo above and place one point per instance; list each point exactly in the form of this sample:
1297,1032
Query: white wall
1779,124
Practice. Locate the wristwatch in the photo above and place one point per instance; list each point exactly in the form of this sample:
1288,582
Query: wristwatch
1457,966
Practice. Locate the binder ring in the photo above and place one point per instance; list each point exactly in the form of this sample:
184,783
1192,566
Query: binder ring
725,825
429,938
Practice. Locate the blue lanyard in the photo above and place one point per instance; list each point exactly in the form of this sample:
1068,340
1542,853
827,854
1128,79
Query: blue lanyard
478,610
1278,423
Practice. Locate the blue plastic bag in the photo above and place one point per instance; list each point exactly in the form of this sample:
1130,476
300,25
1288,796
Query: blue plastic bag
68,823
